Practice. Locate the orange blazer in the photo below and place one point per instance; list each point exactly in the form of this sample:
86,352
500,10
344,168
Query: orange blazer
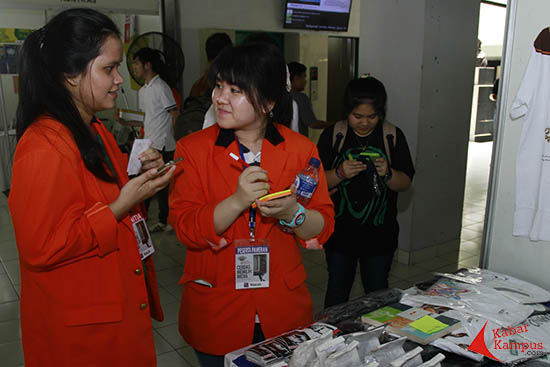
84,299
219,319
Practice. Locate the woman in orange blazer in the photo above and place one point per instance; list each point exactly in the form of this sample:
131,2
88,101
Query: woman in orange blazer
86,296
210,202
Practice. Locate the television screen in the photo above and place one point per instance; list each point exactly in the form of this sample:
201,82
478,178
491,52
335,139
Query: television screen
317,15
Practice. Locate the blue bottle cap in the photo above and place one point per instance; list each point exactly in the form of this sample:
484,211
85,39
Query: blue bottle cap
314,162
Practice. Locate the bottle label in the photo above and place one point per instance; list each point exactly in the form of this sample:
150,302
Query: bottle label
305,186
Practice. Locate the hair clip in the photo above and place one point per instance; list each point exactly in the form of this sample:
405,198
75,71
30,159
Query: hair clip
42,36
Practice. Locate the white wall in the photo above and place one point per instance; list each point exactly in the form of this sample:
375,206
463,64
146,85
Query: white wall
30,19
248,15
516,256
424,53
450,43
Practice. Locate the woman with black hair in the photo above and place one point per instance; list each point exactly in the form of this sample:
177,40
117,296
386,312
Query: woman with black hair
243,277
87,293
367,162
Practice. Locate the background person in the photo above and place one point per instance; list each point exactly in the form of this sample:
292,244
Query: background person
161,112
210,209
214,45
84,298
306,116
366,228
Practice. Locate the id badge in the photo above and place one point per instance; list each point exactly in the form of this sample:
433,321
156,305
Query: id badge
251,263
144,241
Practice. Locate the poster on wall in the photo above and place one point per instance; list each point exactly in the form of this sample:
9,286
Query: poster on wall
11,40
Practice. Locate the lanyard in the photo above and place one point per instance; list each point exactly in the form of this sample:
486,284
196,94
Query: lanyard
251,211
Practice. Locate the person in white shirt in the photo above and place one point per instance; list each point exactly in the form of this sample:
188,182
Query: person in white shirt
156,99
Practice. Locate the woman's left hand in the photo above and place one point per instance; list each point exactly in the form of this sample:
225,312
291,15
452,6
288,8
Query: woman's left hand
381,166
151,158
283,208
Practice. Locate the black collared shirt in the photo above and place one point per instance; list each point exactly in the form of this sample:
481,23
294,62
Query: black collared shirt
227,136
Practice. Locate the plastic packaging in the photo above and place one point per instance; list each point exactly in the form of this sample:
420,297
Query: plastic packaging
410,359
305,355
476,300
306,181
345,357
513,288
368,341
435,361
388,352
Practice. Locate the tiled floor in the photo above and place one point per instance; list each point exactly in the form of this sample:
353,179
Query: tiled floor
170,257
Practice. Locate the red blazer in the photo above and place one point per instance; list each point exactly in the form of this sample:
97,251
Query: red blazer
220,319
84,299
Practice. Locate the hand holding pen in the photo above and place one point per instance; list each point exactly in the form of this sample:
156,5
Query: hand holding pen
252,184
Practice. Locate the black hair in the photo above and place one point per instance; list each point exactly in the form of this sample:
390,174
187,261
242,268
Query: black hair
63,47
215,44
366,91
154,57
296,69
258,69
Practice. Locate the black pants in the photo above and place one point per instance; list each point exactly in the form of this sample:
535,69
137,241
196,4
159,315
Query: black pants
162,195
374,272
211,360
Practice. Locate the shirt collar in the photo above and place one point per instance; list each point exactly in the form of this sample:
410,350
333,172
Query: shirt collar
227,136
151,81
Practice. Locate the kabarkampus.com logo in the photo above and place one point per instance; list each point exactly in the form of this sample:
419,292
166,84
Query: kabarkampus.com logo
502,341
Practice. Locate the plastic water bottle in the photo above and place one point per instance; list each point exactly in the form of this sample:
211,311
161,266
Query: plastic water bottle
306,181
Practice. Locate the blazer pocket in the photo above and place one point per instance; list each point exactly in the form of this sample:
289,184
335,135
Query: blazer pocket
295,277
93,315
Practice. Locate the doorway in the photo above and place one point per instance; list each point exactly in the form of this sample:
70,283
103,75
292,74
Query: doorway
483,126
342,67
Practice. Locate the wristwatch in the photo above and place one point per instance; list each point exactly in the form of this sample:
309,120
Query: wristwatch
298,219
388,176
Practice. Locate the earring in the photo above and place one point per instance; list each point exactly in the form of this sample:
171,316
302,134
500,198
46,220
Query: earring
270,114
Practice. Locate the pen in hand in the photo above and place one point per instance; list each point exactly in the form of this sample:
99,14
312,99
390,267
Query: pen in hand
239,159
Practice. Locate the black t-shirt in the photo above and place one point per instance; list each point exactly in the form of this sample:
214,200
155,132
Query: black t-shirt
366,210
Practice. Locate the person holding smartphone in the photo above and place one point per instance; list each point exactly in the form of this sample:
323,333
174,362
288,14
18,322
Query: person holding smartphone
367,162
88,290
243,278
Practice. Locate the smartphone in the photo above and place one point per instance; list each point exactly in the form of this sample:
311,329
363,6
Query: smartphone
273,196
370,154
169,164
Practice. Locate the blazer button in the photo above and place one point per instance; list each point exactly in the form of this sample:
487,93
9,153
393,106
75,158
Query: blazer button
143,306
138,271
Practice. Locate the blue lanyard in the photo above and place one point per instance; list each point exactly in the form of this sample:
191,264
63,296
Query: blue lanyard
251,211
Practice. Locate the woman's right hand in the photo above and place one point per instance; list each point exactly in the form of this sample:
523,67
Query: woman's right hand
351,168
138,189
252,185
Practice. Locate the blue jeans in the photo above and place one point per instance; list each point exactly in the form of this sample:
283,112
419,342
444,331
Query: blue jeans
374,272
211,360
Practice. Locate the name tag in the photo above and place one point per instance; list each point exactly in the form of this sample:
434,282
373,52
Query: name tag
251,263
143,237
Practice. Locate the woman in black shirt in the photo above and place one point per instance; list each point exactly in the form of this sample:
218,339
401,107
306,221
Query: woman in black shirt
367,162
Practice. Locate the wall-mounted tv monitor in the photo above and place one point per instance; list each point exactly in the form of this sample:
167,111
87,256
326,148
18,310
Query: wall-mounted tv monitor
317,15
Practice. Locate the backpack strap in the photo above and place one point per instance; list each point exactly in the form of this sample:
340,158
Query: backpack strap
390,133
338,137
340,130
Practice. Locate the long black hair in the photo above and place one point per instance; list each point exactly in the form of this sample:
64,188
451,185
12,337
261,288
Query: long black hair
366,91
62,48
259,70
